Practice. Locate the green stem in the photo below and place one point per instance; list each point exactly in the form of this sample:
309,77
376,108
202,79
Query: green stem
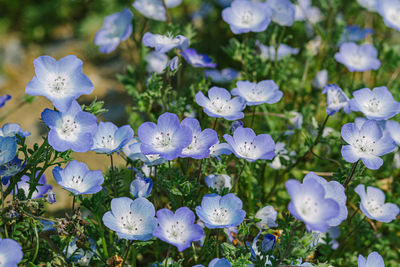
218,230
103,240
113,176
126,253
36,243
238,176
353,170
252,116
73,203
166,11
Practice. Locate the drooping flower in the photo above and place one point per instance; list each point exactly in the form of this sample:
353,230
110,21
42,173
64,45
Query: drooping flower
152,9
389,10
218,182
366,143
268,216
249,146
257,251
376,104
304,11
393,128
61,81
72,129
269,52
173,64
10,253
39,191
373,260
219,149
321,79
371,5
373,204
258,93
116,28
131,219
282,11
179,228
156,62
132,150
10,169
353,33
219,104
199,148
78,179
358,57
109,138
336,99
247,16
223,76
164,43
197,60
281,153
141,187
13,130
167,138
79,255
310,204
4,99
221,212
335,191
8,149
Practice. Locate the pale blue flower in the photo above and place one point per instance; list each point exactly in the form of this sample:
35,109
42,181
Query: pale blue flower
220,149
282,11
197,60
373,204
78,255
393,128
133,151
12,130
246,16
141,187
173,64
389,10
218,182
366,143
353,33
336,99
304,11
373,260
40,190
8,149
10,169
116,28
131,219
156,62
258,93
222,76
152,9
220,104
371,5
61,81
10,253
221,212
376,104
321,79
4,99
217,262
179,228
109,138
268,216
358,57
164,43
268,52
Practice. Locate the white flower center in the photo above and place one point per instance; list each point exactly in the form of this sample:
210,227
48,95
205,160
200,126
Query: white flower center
193,146
375,208
220,216
364,144
394,15
69,129
248,149
247,17
374,105
131,223
221,106
57,85
3,259
163,140
107,141
77,182
309,208
176,232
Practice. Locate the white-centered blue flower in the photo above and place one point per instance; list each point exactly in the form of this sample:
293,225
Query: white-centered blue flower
133,151
222,76
305,11
390,12
268,216
218,182
220,149
61,81
141,186
269,52
247,16
336,99
366,143
109,138
353,33
156,62
12,130
10,253
131,219
373,204
8,149
164,43
393,128
220,104
258,93
116,28
78,179
358,57
376,104
373,260
282,11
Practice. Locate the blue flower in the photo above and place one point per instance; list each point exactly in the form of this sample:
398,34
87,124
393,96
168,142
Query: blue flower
235,125
393,128
283,50
373,204
131,219
61,81
376,104
321,79
358,57
258,93
335,191
78,179
218,182
163,43
366,143
40,191
336,99
197,60
152,9
109,138
173,64
4,99
132,150
116,28
10,252
12,130
373,260
282,11
353,33
310,204
371,5
247,16
223,76
178,229
78,255
199,148
8,149
221,212
268,216
304,11
219,104
389,10
141,187
167,138
10,169
249,146
217,262
156,62
72,129
219,149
